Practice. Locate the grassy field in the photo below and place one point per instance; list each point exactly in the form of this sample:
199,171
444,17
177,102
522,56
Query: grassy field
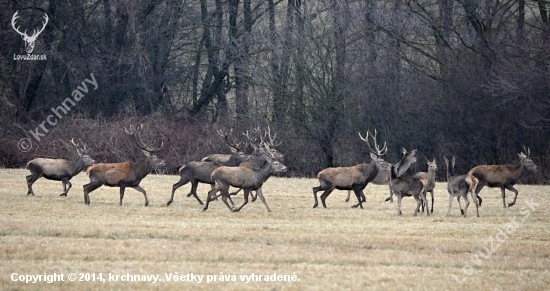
337,248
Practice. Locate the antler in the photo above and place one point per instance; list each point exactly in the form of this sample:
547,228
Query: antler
79,150
35,33
379,152
267,134
239,146
135,133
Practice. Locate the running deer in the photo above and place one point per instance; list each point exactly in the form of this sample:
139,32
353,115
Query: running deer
353,178
196,172
257,160
459,186
59,169
408,186
430,179
503,176
248,179
126,174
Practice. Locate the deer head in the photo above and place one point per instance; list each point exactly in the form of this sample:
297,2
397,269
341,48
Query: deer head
29,40
526,160
147,149
82,152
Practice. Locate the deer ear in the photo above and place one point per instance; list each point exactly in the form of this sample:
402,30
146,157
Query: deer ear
373,156
434,161
522,155
147,154
233,150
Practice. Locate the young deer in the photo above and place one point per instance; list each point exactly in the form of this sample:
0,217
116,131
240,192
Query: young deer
196,172
503,176
248,179
459,186
353,178
430,179
408,186
58,169
127,174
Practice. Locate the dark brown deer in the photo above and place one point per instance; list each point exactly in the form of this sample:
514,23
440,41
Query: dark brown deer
58,169
126,174
459,186
430,179
353,178
503,176
248,179
196,172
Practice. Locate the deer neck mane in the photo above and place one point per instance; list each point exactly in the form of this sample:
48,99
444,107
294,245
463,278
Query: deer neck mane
141,167
517,169
76,166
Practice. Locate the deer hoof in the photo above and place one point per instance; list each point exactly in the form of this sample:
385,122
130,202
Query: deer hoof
146,204
63,194
461,211
511,204
387,199
315,206
169,202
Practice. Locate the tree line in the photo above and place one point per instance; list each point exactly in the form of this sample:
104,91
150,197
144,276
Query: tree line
468,78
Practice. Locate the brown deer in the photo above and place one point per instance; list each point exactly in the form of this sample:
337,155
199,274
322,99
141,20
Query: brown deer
245,178
503,176
126,174
430,179
58,169
196,172
408,186
459,186
353,178
257,160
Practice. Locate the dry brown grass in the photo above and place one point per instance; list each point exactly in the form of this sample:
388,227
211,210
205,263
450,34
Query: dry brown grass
332,249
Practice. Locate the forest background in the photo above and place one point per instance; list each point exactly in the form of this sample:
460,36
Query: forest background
469,78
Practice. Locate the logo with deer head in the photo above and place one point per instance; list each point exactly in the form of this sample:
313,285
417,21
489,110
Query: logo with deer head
29,40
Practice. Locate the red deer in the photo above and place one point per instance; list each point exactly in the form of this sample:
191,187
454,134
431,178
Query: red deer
459,186
58,169
353,178
408,186
430,179
245,178
258,159
126,174
196,172
503,176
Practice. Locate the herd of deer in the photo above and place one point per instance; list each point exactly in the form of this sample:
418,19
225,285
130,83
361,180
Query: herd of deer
249,172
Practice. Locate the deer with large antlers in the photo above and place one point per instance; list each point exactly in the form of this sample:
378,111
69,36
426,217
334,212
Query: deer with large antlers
248,179
196,172
353,178
29,40
503,176
459,186
59,169
257,160
126,174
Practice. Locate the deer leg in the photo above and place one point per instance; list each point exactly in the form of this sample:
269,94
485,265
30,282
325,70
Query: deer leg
432,193
475,201
236,192
511,188
325,195
479,198
260,194
30,180
466,201
121,194
399,197
424,201
460,205
349,195
138,188
65,183
211,194
450,203
360,198
194,184
315,189
89,188
180,183
254,197
225,194
246,193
